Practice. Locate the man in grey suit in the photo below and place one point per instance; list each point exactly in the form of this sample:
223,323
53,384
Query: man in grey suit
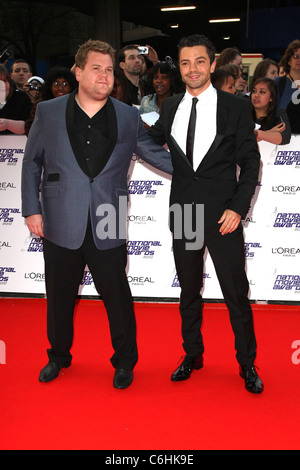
83,144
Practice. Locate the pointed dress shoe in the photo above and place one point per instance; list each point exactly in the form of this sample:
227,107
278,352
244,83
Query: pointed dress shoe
253,382
185,369
51,371
123,378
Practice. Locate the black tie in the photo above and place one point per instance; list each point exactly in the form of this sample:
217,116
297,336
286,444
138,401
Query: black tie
191,132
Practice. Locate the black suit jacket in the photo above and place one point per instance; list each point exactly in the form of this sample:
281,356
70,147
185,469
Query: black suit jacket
215,183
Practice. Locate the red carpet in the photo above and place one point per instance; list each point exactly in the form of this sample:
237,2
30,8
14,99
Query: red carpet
81,409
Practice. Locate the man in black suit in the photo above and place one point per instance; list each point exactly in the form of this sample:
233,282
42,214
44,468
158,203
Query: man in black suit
209,133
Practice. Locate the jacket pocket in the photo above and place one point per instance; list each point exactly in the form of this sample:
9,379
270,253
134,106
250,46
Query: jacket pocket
51,191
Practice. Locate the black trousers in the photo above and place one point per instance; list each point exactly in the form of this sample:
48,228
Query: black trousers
228,255
64,270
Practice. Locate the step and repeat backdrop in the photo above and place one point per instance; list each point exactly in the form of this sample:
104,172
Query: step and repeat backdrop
272,232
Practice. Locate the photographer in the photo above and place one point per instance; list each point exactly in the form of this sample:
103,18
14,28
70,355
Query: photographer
131,63
33,88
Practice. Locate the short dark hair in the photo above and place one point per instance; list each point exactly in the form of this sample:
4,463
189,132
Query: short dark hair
220,77
198,40
129,47
20,61
81,56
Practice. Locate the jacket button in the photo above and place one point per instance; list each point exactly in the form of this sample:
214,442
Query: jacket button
195,178
91,180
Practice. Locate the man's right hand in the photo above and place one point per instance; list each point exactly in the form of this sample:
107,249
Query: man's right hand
35,224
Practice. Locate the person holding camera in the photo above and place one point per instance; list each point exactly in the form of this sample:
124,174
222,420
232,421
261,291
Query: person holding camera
33,88
131,63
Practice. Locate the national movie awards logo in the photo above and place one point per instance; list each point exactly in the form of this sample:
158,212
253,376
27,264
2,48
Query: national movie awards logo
288,158
87,279
287,282
7,215
35,245
10,157
144,187
176,282
287,220
5,273
251,249
146,249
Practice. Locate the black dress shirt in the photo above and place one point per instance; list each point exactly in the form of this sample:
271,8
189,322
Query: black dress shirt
93,137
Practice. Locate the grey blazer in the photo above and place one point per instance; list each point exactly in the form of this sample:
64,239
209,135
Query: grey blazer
67,192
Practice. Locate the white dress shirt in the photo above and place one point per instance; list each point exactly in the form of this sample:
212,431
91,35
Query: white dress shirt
206,123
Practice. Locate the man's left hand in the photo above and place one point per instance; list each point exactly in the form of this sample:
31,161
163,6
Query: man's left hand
230,221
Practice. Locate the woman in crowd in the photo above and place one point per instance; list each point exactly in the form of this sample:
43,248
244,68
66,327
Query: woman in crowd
230,55
59,81
165,81
224,80
267,68
288,86
15,106
240,83
273,125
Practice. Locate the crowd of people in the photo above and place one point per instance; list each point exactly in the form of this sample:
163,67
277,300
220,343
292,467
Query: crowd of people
144,81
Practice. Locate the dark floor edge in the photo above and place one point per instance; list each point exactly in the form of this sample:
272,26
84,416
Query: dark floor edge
20,295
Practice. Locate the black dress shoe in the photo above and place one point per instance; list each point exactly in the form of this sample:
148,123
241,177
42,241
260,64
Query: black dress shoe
186,367
51,371
123,378
253,383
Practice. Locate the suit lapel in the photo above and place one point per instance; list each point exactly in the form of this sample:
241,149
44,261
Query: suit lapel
113,135
174,103
70,118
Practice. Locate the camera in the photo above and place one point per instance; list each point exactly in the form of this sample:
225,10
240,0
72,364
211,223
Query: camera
144,50
4,56
34,86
